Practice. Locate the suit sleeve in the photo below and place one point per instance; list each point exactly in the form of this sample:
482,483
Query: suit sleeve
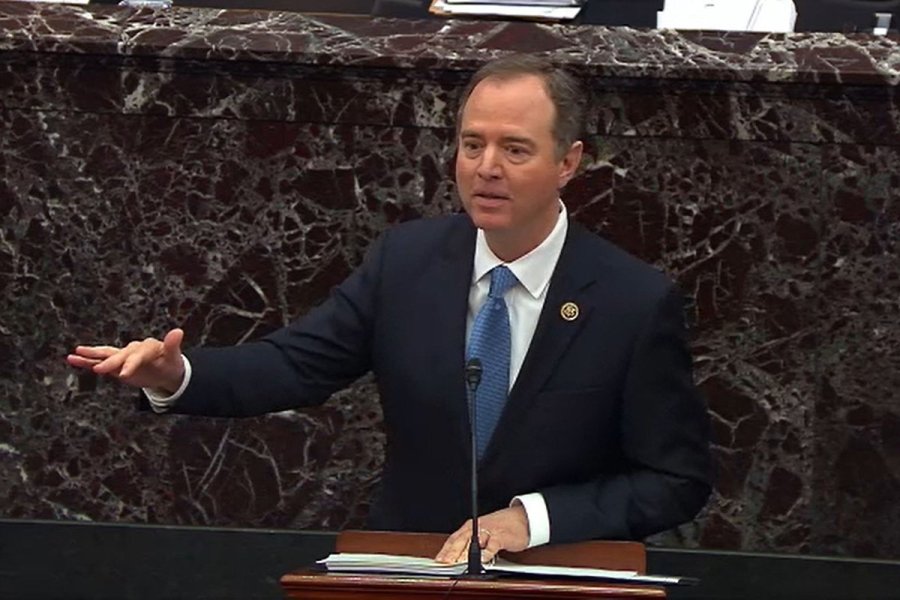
299,365
665,477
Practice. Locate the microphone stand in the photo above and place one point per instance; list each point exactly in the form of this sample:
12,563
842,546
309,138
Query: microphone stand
475,569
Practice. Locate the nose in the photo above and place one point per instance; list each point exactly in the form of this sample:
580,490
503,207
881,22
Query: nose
489,163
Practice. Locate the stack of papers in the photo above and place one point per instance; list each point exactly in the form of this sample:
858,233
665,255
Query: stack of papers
555,10
410,565
728,15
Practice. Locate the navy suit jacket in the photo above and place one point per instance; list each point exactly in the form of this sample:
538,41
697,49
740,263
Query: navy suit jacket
604,419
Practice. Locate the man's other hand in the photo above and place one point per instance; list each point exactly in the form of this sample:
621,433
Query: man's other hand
506,529
153,364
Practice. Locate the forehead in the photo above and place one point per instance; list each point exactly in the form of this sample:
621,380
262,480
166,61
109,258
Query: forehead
517,102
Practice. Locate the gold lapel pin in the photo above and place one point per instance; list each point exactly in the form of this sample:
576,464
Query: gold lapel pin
569,311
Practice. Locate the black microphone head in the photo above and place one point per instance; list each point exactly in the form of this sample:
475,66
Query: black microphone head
473,372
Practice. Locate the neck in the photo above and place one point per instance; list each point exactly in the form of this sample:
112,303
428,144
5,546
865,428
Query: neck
513,245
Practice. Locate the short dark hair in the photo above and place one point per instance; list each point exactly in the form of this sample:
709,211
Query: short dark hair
562,87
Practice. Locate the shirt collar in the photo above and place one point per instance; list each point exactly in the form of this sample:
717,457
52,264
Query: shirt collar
535,268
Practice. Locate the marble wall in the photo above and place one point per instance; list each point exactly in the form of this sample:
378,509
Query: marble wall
221,170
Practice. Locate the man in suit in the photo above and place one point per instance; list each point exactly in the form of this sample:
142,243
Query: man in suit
589,422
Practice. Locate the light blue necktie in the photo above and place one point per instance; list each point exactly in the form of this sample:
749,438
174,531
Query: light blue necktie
489,342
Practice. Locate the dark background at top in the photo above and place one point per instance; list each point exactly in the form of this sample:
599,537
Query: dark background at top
844,16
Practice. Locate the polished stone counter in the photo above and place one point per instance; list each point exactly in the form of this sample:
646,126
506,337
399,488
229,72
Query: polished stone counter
359,41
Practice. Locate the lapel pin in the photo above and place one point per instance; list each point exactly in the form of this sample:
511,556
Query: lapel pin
569,311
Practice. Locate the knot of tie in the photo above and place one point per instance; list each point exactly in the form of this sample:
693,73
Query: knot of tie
501,280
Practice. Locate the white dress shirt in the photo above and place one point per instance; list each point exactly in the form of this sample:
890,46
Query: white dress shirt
525,300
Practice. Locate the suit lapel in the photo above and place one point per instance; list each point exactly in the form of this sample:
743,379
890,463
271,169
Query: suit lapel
569,283
447,284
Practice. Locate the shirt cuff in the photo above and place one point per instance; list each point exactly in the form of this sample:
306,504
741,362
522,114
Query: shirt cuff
160,402
538,518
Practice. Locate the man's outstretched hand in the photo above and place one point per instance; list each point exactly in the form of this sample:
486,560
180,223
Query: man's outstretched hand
151,363
506,529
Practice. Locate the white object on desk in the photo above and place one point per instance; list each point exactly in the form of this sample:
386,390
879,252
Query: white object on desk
536,11
520,2
729,15
60,1
882,23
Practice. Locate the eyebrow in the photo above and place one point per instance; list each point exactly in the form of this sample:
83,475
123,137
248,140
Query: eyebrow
509,139
519,140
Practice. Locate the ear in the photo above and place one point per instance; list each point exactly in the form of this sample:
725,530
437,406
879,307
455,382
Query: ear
569,164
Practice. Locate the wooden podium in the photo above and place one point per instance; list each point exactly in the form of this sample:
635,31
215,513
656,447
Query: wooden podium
316,585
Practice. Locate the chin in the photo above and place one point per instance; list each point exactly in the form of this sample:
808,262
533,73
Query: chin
489,221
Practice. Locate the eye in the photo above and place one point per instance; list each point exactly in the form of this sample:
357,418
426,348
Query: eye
517,153
471,147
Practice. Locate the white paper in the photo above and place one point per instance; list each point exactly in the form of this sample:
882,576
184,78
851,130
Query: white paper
520,2
503,566
393,564
60,1
774,15
506,566
728,15
410,565
389,563
508,10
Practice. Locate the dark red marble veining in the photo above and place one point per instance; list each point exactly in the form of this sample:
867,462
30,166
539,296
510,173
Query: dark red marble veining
222,170
352,40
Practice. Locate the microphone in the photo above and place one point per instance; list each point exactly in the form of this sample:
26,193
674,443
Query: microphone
473,378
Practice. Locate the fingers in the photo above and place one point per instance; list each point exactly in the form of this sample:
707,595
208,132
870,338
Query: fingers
123,363
490,549
81,362
86,357
172,344
148,363
456,548
457,545
505,529
483,536
138,353
99,352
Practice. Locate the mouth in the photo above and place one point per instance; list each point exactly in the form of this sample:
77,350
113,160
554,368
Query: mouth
487,196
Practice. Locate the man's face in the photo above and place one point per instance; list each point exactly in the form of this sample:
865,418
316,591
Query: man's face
507,171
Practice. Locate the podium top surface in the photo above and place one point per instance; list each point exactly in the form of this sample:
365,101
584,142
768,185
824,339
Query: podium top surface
312,584
315,583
